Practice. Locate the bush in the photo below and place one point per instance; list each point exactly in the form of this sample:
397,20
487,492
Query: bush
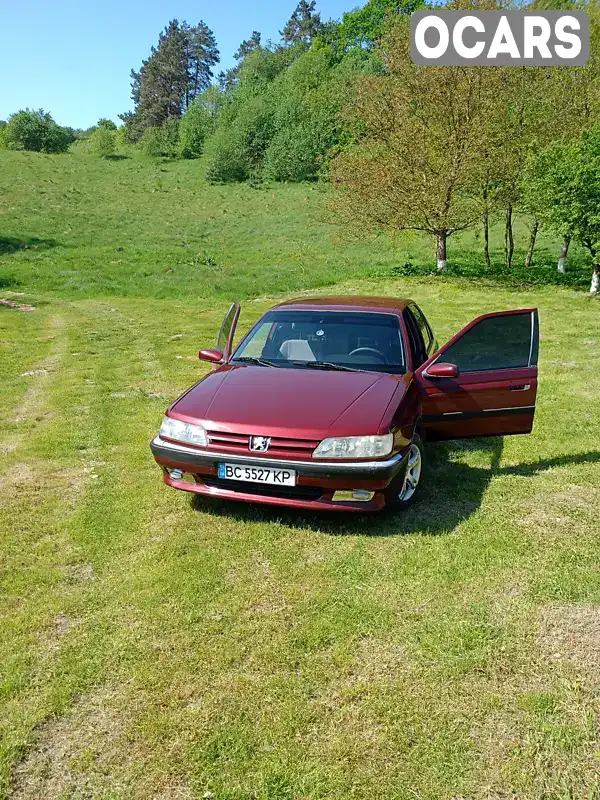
103,142
292,155
195,125
122,137
254,127
170,137
162,142
36,131
226,160
299,149
151,142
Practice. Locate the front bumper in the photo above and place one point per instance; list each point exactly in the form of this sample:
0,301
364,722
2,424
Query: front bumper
318,481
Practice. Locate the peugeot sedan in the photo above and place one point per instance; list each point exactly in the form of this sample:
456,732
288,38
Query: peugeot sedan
326,402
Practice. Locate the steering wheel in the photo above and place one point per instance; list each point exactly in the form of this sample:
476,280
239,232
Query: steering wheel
370,350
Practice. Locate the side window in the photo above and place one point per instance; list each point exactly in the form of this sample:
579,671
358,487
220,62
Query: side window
426,331
501,342
226,328
417,345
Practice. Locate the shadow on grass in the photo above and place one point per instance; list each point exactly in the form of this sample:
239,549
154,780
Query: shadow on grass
8,282
452,492
117,157
465,263
12,244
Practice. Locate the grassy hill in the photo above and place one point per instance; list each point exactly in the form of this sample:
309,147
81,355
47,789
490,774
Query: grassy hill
156,647
86,227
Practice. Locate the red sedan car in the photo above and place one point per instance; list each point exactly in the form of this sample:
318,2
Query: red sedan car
325,404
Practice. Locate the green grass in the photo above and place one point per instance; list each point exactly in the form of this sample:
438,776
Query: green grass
152,646
87,227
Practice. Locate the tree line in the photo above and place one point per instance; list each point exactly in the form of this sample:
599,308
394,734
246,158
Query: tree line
431,149
275,114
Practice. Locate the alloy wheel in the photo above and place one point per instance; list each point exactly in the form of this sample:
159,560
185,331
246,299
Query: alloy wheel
413,474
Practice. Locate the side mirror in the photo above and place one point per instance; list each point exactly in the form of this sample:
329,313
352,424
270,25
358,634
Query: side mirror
214,356
441,370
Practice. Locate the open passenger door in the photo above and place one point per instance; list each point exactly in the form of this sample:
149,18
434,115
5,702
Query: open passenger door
486,381
227,332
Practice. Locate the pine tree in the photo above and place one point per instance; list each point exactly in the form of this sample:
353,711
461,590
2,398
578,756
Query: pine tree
230,77
304,24
248,46
202,54
177,70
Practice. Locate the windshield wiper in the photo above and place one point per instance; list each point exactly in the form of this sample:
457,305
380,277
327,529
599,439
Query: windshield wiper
260,361
324,365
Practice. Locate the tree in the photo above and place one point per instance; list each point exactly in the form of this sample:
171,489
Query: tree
304,24
201,54
36,131
103,141
106,123
364,27
419,137
543,105
562,182
306,99
176,72
248,46
228,79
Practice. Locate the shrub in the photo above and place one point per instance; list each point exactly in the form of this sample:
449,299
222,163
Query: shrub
36,131
170,137
299,149
254,127
226,160
103,142
195,125
151,142
162,142
122,137
292,155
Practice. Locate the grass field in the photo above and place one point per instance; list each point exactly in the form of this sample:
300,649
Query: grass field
152,646
86,227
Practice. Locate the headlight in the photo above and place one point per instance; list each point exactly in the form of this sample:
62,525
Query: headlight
356,447
183,432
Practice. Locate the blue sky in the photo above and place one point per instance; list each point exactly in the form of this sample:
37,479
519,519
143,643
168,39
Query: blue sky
73,57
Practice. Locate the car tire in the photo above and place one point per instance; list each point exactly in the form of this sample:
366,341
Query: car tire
404,489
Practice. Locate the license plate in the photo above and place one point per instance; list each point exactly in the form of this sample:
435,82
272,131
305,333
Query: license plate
265,475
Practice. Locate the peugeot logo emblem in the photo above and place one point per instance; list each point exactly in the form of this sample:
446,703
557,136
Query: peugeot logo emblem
259,444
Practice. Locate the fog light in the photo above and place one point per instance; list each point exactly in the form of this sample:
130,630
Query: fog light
176,474
358,495
362,495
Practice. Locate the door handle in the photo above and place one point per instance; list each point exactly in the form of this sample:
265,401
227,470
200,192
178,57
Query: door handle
521,387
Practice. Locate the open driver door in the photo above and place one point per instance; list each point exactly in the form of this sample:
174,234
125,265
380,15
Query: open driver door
484,381
227,332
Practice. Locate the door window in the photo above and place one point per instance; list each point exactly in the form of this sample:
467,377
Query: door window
223,342
498,342
417,344
426,331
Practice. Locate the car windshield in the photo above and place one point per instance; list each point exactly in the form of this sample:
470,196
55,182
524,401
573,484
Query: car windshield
325,340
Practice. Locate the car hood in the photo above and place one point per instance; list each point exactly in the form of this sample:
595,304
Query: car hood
303,403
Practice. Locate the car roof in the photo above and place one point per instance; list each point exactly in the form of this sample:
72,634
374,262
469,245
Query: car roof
393,304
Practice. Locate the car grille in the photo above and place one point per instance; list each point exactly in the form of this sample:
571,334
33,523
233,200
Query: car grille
240,443
288,492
